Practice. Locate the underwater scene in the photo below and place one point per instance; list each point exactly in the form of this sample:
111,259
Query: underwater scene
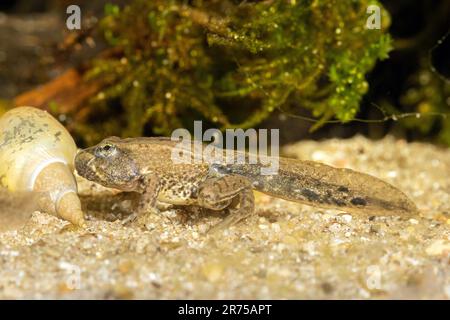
225,149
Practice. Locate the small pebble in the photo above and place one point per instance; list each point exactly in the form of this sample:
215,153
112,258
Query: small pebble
438,247
213,271
347,218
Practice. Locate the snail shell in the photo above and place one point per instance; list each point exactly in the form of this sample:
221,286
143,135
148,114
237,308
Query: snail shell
37,154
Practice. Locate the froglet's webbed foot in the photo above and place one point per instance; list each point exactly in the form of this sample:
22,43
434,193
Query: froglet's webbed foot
135,215
232,192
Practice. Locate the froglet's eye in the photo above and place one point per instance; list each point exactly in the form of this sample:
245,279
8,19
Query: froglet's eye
105,150
219,169
107,147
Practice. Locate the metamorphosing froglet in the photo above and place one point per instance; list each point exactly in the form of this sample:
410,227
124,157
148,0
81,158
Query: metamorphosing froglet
145,165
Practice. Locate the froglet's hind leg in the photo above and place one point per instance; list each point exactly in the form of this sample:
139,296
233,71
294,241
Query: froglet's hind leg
244,207
233,192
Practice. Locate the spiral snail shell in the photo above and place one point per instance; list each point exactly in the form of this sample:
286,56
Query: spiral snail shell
36,154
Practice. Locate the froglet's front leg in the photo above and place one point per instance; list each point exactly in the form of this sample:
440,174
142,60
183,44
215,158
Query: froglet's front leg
150,186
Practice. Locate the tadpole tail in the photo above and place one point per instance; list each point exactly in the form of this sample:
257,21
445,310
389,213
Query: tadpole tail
324,186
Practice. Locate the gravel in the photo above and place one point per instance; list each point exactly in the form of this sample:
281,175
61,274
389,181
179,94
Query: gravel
285,251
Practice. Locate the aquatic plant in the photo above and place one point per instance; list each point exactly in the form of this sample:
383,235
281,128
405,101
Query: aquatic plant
413,83
231,63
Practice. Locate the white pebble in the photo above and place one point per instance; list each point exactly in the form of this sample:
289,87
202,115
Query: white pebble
347,218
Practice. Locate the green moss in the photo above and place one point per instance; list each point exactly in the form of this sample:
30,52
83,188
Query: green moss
427,95
232,63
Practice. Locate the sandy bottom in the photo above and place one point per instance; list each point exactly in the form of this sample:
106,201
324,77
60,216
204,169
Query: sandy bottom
286,250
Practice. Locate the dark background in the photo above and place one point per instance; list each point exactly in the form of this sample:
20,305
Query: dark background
30,31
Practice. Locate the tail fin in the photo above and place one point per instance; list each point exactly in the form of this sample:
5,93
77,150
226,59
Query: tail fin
324,186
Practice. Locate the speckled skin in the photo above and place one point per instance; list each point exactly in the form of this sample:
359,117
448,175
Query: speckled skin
144,165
